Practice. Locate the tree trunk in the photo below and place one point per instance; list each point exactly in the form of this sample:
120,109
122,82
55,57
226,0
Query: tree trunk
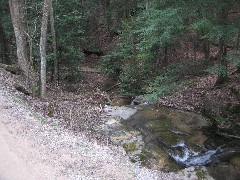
206,51
54,44
147,4
238,69
3,56
43,39
18,18
165,58
237,47
3,44
222,77
107,10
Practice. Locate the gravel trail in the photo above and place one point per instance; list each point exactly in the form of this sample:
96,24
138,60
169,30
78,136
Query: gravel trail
33,150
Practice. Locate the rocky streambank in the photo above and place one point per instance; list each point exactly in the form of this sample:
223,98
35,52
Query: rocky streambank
167,139
39,147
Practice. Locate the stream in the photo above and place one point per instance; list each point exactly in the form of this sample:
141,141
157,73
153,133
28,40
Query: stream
171,140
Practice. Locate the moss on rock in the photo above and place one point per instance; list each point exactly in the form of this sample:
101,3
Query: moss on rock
130,147
168,138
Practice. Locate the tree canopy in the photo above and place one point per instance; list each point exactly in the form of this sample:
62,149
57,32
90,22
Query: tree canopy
148,37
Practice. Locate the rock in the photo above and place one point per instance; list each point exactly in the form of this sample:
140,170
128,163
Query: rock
193,173
224,170
198,139
121,101
141,100
235,161
167,138
123,112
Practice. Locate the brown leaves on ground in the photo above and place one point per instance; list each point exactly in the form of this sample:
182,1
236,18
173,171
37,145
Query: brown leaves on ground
202,94
79,108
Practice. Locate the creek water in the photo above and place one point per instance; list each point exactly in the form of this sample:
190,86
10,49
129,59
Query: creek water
183,154
171,140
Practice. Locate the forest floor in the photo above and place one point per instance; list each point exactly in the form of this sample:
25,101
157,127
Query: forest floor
54,139
200,95
34,146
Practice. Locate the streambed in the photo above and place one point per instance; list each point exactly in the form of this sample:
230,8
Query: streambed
171,140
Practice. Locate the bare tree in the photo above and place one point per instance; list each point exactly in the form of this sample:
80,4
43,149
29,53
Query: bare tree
43,39
3,58
54,44
17,9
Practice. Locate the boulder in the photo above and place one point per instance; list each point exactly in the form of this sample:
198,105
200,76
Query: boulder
140,100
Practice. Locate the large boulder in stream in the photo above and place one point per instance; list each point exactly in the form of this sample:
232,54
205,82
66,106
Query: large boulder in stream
162,119
158,137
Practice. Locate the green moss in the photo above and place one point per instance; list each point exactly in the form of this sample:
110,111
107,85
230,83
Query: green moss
201,175
142,157
167,138
234,108
9,68
50,110
207,109
195,147
236,162
130,147
162,124
235,91
35,90
229,112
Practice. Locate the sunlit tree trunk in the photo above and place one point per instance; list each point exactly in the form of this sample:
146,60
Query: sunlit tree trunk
43,39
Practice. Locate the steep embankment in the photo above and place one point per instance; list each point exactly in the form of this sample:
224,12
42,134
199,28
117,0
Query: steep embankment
31,149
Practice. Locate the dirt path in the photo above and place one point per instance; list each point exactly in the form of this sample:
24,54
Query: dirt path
16,157
32,150
19,158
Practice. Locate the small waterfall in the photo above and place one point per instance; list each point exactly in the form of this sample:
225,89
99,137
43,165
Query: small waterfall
184,155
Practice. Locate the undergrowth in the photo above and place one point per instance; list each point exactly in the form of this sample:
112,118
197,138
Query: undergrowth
172,77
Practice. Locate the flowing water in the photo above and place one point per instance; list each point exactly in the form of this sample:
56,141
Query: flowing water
171,140
182,154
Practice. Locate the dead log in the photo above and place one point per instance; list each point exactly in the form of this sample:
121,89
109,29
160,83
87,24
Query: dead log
10,68
229,136
22,90
90,52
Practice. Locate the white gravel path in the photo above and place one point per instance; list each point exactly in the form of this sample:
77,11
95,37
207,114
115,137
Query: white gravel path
32,150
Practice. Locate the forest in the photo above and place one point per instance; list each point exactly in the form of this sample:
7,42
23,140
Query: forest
149,47
183,54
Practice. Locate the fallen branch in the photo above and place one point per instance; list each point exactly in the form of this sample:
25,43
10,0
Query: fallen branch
22,90
228,135
10,68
